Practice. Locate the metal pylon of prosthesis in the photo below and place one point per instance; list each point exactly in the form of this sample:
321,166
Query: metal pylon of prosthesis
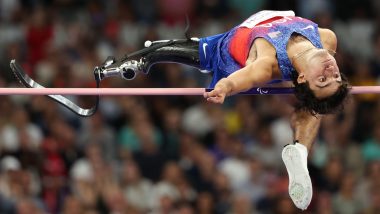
127,68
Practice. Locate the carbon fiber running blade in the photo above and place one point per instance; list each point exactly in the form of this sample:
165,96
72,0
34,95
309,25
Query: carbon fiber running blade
30,83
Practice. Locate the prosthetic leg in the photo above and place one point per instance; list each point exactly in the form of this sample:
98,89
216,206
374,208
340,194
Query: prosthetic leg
183,51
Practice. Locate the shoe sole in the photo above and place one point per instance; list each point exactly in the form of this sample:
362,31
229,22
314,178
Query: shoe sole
300,187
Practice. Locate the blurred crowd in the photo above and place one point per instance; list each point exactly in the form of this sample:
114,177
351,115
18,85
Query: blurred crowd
174,154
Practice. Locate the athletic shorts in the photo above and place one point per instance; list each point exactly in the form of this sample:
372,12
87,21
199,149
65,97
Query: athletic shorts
215,56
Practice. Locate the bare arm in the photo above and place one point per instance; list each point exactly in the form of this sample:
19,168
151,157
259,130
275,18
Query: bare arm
259,69
256,73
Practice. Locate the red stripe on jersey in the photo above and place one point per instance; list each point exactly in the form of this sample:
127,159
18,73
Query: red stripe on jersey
239,45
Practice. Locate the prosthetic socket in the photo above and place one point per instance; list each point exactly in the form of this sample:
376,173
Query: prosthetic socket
183,51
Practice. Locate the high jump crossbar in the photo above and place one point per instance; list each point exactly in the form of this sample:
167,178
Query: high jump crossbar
159,91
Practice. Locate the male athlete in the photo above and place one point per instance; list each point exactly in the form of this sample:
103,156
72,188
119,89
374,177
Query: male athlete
269,47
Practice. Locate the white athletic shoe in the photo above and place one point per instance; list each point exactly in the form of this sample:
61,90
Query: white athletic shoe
300,187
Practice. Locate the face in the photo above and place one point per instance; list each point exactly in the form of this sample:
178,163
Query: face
322,74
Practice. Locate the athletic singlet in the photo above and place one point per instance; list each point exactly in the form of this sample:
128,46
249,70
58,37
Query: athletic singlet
228,52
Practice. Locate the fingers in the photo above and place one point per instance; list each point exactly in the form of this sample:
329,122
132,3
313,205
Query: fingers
217,100
212,93
215,96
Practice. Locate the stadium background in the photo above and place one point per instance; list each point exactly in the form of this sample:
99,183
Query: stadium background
174,154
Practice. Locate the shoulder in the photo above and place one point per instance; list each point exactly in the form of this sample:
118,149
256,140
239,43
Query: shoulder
328,38
265,54
264,48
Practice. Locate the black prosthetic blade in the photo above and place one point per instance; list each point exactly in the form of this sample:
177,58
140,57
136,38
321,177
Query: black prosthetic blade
28,82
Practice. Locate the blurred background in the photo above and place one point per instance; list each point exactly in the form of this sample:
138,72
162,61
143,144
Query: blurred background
174,154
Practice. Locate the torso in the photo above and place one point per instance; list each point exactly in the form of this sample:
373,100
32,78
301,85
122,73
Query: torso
295,40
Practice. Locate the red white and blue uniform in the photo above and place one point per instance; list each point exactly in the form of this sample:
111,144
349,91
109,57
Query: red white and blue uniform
226,53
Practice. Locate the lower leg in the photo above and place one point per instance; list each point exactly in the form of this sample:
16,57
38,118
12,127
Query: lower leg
295,155
306,127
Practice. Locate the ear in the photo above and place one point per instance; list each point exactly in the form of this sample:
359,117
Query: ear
301,78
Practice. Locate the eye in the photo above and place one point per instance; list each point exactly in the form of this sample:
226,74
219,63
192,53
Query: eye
322,79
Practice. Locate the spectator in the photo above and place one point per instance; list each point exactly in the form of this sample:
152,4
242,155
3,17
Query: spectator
95,131
324,203
369,183
205,203
371,147
345,200
72,206
331,175
374,202
20,126
137,189
38,35
241,205
132,137
255,187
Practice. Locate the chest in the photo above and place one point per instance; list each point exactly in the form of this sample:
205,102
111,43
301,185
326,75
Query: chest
253,52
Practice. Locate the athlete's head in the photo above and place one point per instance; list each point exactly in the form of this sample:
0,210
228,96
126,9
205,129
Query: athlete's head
319,86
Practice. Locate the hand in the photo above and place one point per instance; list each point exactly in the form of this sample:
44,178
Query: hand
219,93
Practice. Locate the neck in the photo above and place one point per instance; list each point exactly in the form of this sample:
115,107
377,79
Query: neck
302,53
298,54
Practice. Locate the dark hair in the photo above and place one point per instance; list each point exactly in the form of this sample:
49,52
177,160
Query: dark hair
309,102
